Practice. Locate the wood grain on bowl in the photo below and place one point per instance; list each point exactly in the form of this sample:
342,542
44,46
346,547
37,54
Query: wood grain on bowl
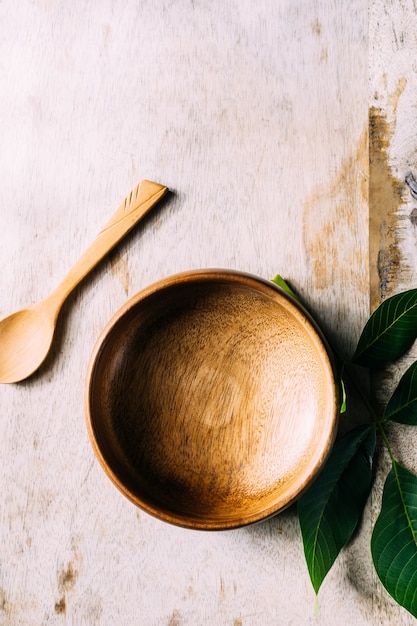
211,400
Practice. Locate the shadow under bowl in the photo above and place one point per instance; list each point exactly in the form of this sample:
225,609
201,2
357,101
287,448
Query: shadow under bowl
211,400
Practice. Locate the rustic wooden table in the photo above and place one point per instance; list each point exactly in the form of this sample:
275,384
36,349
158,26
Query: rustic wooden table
284,131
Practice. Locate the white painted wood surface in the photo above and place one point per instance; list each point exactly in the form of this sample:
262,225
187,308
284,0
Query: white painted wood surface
256,117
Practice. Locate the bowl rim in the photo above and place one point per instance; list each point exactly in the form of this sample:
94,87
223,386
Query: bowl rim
241,278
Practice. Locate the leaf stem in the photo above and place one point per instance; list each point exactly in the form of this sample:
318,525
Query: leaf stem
387,443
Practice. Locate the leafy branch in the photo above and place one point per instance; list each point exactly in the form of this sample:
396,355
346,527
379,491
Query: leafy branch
331,509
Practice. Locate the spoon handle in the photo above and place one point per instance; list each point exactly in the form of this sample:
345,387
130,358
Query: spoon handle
135,206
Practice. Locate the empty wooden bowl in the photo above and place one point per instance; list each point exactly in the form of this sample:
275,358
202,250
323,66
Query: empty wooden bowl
211,400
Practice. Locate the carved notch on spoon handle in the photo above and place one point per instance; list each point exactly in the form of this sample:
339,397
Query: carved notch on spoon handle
135,206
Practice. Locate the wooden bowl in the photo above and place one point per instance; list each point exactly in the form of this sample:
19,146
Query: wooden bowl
211,400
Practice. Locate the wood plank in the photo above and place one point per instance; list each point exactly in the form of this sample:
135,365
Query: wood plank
392,227
256,117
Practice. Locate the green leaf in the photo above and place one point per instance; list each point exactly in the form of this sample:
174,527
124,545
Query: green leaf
389,332
394,538
331,509
278,280
343,405
402,406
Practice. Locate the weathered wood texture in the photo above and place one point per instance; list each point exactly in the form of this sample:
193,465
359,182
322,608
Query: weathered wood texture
256,117
392,208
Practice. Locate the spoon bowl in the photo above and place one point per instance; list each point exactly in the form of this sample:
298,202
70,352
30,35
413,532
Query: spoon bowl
25,339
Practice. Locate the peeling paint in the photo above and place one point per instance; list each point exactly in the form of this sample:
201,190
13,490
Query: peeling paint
412,184
222,593
385,198
334,213
3,600
7,610
316,27
175,619
394,97
60,607
67,578
413,217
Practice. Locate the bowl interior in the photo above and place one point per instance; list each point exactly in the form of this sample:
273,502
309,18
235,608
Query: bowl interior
211,400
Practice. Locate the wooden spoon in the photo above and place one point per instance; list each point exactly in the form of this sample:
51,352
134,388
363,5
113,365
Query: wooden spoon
26,336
